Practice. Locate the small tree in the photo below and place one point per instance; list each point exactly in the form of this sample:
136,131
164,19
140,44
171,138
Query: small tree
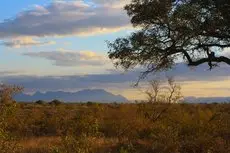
7,92
40,102
152,93
169,93
55,102
174,91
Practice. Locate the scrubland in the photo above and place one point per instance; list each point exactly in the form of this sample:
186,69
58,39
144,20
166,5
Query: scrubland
114,128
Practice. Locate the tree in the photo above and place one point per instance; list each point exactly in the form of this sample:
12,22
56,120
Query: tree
171,30
55,102
164,93
153,92
174,91
8,91
40,102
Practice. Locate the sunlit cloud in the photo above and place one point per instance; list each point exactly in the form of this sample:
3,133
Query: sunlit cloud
11,73
25,42
62,18
112,3
209,84
226,52
69,58
218,88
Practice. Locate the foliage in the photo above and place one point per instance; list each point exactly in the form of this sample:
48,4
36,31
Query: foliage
72,144
55,102
8,91
193,30
124,128
7,143
40,102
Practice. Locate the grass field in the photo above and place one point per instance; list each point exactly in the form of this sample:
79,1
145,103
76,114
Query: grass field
115,128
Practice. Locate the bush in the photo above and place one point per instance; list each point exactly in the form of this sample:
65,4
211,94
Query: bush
71,144
40,102
8,91
7,141
89,103
55,102
129,128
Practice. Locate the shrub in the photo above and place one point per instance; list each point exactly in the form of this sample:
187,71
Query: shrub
160,93
40,102
8,91
7,142
89,103
55,102
129,128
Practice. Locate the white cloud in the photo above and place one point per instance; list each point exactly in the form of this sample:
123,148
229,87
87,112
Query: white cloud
71,58
112,3
62,18
226,52
25,42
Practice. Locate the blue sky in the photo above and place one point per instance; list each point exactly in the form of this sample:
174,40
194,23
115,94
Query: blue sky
10,8
18,18
63,38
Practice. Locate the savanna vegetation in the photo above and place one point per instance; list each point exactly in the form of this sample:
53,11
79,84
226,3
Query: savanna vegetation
162,124
189,30
114,128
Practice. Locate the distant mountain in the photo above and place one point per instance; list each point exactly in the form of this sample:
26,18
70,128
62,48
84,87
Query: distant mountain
94,95
207,99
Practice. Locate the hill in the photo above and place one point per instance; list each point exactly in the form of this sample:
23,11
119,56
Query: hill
207,99
95,95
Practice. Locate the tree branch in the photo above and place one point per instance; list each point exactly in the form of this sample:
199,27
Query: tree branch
217,35
212,45
187,56
214,59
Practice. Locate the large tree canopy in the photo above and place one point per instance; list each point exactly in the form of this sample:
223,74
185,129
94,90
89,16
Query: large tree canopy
171,30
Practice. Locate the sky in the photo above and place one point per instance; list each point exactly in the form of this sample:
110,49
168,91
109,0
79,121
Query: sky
61,45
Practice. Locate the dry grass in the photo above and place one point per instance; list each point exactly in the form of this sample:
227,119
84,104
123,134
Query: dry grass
40,142
125,128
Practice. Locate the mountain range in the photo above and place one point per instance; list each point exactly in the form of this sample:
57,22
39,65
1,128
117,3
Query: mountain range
207,99
99,95
94,95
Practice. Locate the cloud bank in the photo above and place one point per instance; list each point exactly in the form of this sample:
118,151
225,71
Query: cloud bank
181,74
62,18
197,82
